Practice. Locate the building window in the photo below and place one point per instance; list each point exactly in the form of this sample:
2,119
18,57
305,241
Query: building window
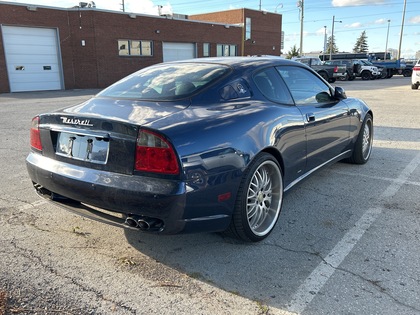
232,50
226,50
146,48
206,50
135,48
247,28
123,48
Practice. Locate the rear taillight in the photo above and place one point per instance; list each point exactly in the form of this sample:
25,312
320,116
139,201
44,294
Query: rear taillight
155,154
335,69
35,135
416,68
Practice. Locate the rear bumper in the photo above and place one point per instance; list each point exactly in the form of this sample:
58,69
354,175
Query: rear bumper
159,198
415,77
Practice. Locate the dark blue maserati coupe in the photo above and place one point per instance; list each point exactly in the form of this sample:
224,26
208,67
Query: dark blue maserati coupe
200,145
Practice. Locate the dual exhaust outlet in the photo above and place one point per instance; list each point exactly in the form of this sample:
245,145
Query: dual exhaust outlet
144,223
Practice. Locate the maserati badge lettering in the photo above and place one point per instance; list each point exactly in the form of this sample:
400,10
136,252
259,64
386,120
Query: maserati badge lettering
76,121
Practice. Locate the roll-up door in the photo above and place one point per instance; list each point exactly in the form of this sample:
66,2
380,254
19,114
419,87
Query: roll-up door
178,51
32,58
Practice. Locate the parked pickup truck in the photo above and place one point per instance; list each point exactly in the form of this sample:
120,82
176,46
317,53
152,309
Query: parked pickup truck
329,72
352,69
391,66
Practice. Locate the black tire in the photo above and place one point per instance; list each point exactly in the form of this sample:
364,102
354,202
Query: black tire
324,75
351,78
414,86
366,75
363,146
331,80
407,73
344,78
259,201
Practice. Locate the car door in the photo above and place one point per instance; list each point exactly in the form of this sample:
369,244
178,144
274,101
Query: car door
326,119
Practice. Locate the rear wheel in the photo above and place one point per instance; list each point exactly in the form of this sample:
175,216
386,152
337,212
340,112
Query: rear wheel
345,77
414,86
363,146
324,75
259,200
407,73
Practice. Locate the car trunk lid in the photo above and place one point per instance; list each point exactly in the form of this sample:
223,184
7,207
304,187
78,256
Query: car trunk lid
100,133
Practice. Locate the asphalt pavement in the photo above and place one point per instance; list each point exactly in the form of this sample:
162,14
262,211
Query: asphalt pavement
347,241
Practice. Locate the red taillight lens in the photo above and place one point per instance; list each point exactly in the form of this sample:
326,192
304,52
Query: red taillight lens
416,68
155,154
35,135
335,69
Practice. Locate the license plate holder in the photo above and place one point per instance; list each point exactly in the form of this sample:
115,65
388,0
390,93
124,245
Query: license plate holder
93,149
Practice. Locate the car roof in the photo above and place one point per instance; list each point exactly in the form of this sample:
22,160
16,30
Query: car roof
238,62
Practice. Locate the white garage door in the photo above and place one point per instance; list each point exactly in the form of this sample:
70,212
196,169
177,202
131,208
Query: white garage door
32,58
178,51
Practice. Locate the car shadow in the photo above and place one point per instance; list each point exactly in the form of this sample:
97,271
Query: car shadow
316,214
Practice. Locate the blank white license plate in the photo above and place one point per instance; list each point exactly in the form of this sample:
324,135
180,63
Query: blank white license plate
83,147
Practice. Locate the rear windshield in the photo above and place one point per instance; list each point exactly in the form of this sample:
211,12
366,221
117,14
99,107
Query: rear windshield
166,81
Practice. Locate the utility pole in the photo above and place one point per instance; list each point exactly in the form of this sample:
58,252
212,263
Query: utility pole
402,30
122,6
301,5
325,41
386,45
332,36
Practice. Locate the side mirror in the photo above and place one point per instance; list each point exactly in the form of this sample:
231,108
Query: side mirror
339,93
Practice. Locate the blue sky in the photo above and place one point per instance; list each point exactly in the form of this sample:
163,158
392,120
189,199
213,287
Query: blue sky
356,16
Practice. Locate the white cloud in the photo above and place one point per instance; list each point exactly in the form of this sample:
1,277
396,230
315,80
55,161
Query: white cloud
381,21
144,7
135,6
353,3
354,25
321,31
415,19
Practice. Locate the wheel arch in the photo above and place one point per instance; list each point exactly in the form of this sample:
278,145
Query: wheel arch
277,155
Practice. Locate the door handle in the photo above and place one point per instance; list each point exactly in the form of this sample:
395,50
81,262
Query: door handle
310,117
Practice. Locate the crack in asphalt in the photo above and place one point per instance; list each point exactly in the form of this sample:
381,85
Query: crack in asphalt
375,284
30,255
378,287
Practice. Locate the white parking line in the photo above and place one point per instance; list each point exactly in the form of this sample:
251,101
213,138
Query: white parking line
322,273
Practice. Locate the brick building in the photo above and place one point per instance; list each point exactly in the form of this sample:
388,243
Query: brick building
45,48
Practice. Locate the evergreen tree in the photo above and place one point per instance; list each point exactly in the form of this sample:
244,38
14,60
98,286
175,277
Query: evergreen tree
361,45
334,46
293,52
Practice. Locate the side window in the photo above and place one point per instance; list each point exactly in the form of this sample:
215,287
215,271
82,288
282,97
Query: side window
272,86
305,87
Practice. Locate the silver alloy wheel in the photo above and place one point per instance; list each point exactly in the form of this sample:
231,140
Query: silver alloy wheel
264,198
367,139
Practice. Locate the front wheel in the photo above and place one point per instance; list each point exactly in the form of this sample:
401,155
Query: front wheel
259,200
363,146
366,75
414,86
